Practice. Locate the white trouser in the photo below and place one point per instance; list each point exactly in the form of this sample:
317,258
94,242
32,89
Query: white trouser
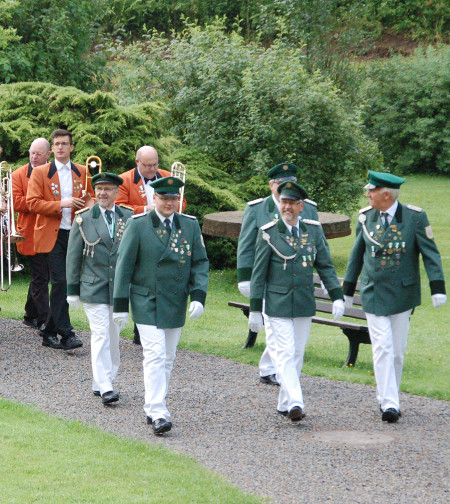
290,337
267,361
105,355
159,347
388,336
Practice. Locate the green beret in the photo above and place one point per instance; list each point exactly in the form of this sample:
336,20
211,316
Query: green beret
282,170
291,190
380,179
106,178
169,186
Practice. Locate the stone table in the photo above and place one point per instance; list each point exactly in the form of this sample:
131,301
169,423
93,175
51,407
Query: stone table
228,224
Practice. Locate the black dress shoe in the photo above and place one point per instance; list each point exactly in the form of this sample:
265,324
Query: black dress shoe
30,322
96,393
149,420
269,379
390,415
161,425
295,414
284,413
51,341
70,342
110,397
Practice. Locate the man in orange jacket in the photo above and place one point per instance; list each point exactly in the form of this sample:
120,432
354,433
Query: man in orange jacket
137,192
36,306
55,192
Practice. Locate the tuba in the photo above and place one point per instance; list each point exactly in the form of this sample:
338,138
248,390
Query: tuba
179,170
8,233
93,166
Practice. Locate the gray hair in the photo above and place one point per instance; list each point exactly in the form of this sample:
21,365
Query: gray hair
283,179
393,192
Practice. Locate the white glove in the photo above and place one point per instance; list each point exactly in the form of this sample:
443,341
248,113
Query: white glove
338,309
120,319
438,300
195,309
255,321
348,301
244,288
74,302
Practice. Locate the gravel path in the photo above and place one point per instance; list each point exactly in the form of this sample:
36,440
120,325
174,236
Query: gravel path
227,421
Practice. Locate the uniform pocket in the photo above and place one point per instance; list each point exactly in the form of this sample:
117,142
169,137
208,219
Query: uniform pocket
139,289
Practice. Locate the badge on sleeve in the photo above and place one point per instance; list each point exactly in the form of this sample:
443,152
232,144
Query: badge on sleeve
429,232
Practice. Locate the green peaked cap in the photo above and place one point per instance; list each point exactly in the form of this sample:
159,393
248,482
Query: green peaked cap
169,186
381,179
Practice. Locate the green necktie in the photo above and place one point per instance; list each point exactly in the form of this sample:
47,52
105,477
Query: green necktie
108,214
294,232
167,225
386,221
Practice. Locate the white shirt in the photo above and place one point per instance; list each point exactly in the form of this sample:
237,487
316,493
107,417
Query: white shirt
391,212
66,191
162,218
149,191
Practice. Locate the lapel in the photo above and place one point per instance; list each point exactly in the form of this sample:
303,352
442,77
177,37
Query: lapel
271,209
160,231
100,226
398,217
284,235
29,170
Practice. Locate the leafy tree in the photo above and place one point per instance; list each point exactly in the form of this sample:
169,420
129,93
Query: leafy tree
49,40
408,103
251,108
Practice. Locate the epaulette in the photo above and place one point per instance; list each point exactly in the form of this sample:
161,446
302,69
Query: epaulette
135,216
310,201
268,225
128,207
311,221
190,216
82,210
365,209
415,208
255,201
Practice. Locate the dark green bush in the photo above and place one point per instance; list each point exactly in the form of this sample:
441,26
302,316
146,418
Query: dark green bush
408,110
422,19
51,41
100,126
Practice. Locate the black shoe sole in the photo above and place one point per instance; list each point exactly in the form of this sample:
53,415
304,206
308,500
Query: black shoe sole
72,346
295,415
97,393
267,381
111,400
389,417
50,345
163,429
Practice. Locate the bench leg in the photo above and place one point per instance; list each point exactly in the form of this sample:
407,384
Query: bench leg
355,338
250,339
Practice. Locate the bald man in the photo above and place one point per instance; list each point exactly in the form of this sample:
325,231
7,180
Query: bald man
36,306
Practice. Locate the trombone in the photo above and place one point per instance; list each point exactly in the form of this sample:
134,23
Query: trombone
8,233
179,170
93,163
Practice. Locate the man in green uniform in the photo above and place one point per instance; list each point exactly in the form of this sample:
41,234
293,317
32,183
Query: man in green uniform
162,261
257,213
91,260
389,238
286,253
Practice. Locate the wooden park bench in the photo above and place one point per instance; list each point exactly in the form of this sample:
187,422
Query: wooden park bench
356,333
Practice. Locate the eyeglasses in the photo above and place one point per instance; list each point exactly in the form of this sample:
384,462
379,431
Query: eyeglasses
106,189
151,165
61,144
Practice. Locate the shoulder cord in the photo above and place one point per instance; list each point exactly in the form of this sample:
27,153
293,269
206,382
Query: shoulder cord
88,246
266,237
362,219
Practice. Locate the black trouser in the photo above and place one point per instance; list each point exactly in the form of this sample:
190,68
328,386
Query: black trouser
58,321
36,306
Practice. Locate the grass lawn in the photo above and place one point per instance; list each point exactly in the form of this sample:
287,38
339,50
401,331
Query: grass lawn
46,460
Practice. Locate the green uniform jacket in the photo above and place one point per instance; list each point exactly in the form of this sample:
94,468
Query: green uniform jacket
256,214
92,277
288,286
390,276
156,275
